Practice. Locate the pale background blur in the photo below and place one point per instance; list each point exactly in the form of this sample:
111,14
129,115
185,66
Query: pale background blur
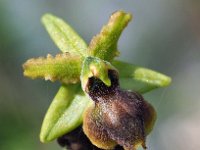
164,35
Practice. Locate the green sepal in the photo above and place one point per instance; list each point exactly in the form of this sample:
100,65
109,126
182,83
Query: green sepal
140,79
64,36
63,67
64,113
104,45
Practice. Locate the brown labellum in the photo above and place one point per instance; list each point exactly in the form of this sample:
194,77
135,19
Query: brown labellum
118,117
77,140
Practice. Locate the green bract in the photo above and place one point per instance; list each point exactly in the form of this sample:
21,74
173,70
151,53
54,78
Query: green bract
78,63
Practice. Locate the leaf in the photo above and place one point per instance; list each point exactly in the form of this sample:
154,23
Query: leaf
64,36
64,113
63,67
140,79
104,45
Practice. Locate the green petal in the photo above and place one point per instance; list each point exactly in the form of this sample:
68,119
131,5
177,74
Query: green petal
104,45
64,67
64,113
140,79
64,36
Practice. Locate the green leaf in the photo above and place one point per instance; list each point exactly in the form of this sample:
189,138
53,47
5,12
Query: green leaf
140,79
104,45
64,36
63,67
64,113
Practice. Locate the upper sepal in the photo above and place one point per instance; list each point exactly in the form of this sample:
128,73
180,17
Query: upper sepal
64,35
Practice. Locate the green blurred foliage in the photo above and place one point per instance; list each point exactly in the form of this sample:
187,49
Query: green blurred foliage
164,36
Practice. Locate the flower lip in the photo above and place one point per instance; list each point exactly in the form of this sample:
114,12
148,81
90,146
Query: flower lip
96,88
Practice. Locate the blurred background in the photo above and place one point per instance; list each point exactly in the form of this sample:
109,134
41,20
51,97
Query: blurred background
164,35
